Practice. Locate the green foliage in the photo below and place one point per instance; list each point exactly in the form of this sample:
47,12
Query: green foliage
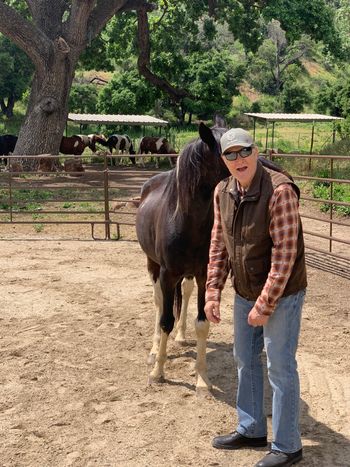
314,17
83,98
15,74
294,97
340,193
212,78
127,93
334,97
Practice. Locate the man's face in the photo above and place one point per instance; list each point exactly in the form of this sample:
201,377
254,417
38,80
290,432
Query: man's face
243,168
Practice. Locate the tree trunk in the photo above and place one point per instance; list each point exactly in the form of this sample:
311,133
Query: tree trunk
47,109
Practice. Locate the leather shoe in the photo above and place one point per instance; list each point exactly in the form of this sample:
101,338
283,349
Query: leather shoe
280,459
237,441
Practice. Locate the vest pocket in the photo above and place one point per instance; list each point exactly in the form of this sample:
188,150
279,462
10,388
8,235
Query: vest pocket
257,270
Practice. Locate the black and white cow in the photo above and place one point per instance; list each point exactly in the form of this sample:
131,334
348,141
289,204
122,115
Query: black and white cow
7,146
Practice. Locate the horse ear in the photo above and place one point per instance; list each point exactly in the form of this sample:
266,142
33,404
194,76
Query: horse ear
207,136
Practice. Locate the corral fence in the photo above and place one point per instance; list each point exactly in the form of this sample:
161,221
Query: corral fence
326,232
105,197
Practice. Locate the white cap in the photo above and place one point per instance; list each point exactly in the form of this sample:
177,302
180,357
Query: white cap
235,137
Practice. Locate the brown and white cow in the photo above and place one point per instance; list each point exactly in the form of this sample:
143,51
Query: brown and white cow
157,145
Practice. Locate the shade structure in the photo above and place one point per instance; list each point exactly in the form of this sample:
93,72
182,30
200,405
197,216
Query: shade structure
289,117
117,119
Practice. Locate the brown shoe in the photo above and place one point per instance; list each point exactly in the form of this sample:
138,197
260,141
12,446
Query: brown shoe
237,441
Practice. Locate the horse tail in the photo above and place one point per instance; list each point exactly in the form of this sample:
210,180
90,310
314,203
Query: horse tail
178,300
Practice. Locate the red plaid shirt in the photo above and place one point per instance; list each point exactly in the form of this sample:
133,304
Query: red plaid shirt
283,230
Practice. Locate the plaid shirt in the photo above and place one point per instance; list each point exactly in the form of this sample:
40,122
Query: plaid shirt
283,207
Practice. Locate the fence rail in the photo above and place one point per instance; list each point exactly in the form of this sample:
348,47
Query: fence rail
51,197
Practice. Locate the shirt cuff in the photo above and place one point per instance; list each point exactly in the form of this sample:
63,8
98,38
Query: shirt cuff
213,295
262,307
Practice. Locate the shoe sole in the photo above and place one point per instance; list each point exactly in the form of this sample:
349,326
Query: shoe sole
242,446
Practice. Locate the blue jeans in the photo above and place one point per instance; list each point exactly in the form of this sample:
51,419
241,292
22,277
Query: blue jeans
280,338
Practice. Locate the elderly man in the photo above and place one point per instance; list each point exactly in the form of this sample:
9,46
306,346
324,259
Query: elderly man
257,237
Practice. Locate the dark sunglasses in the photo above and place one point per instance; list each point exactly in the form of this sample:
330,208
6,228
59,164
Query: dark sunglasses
244,152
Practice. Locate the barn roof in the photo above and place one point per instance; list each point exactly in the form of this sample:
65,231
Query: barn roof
141,120
280,117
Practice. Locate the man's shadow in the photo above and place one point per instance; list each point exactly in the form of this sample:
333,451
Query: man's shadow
322,446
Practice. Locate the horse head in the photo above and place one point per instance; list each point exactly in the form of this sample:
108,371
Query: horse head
200,167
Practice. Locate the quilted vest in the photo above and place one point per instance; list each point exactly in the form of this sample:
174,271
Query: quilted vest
245,226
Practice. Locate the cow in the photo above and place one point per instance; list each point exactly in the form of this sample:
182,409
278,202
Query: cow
122,144
7,145
157,145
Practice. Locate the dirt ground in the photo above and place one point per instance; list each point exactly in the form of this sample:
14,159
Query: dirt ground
77,319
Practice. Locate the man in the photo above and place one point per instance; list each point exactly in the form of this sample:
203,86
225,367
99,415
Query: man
257,237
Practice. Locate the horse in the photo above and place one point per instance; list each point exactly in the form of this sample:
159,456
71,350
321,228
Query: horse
122,144
96,139
74,144
173,225
157,145
7,145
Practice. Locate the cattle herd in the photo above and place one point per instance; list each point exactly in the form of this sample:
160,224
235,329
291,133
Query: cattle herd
114,144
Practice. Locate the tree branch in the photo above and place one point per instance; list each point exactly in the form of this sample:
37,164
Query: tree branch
25,34
105,9
144,59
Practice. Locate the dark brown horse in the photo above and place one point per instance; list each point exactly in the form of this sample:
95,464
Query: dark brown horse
173,224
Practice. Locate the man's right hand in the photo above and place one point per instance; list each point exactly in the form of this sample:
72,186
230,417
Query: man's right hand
212,311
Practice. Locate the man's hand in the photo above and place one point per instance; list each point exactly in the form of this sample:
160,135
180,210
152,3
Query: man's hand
255,319
212,311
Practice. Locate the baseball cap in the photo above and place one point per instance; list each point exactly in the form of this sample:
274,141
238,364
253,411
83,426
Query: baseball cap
235,137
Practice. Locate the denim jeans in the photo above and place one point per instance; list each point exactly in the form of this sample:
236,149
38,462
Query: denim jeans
280,339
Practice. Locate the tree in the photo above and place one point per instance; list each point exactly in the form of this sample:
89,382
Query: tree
270,67
127,93
54,36
15,74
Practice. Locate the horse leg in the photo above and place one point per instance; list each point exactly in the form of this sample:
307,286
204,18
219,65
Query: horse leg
167,320
187,289
154,269
202,331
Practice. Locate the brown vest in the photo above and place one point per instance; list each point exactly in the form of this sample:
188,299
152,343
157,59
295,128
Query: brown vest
245,226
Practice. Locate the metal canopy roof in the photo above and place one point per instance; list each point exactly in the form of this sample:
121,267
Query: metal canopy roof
275,117
140,120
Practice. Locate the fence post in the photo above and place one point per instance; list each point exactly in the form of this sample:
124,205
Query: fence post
331,210
106,198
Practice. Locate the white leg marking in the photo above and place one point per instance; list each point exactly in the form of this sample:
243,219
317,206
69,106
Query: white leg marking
158,301
157,374
202,331
187,289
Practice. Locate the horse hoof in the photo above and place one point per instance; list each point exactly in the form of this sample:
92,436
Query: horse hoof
155,380
151,359
203,391
181,341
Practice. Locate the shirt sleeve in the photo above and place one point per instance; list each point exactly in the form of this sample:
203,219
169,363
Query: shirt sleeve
284,228
218,266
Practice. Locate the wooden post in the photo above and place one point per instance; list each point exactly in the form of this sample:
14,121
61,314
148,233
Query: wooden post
267,135
312,142
254,127
273,134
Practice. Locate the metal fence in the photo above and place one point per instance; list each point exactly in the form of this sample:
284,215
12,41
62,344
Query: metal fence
327,234
89,198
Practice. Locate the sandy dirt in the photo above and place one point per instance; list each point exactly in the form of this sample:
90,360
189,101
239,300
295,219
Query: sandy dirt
77,319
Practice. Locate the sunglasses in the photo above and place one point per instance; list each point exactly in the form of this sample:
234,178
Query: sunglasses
244,152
